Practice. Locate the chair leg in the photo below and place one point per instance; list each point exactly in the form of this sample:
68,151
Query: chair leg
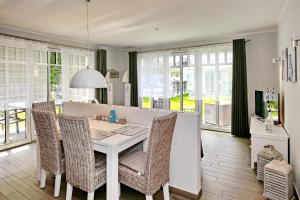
119,189
43,178
69,191
149,197
166,191
91,196
57,185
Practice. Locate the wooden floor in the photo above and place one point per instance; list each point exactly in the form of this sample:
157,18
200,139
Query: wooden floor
226,174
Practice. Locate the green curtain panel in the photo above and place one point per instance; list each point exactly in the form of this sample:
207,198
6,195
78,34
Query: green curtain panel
133,79
101,94
239,115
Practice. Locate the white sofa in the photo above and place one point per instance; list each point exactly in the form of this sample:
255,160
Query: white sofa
185,168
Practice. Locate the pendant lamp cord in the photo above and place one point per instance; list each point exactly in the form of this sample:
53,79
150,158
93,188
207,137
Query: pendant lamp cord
87,23
87,28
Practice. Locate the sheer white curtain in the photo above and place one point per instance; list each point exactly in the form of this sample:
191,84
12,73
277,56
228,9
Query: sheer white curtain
153,75
74,60
39,66
204,72
19,85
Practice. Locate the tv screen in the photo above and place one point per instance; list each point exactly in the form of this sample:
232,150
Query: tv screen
261,103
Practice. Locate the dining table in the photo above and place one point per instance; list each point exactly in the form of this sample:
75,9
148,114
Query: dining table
111,139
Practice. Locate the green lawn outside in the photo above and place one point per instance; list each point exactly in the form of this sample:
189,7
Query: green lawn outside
188,103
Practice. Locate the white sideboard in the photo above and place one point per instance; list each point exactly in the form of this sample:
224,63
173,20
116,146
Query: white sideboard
259,138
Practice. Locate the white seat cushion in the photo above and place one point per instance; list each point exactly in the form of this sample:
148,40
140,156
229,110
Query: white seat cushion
135,160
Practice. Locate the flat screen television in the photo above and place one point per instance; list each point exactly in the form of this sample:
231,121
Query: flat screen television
261,109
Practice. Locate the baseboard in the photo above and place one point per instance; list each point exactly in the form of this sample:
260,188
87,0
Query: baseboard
185,194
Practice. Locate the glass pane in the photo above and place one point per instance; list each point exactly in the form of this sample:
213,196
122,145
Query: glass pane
209,110
76,60
59,58
52,57
189,102
2,127
158,103
2,53
204,59
175,89
12,53
21,54
2,86
58,108
177,60
225,111
36,56
185,60
17,124
55,83
171,61
192,60
212,58
83,61
70,60
147,102
229,56
209,97
221,57
43,56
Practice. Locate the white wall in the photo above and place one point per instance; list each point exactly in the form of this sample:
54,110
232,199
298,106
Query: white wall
261,73
289,26
118,59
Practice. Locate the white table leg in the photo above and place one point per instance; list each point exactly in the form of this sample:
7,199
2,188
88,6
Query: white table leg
38,160
112,159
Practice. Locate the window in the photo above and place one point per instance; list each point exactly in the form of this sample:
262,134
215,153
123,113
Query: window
195,80
40,75
74,60
2,127
30,72
209,82
56,92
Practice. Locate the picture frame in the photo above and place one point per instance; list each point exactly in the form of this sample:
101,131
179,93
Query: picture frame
114,73
284,68
292,64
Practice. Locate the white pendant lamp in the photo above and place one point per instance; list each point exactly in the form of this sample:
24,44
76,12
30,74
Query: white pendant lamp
88,78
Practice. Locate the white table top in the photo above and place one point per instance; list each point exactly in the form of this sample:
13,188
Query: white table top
258,129
118,140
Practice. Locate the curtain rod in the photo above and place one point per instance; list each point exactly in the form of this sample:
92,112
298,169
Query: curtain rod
43,41
187,47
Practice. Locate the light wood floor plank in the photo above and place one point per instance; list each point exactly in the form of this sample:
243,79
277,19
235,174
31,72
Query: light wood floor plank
226,174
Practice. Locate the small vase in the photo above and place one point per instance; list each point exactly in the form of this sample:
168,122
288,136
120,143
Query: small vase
269,123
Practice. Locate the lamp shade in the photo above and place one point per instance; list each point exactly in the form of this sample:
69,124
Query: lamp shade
125,78
88,78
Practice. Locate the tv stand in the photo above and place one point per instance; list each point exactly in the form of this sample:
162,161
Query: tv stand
260,138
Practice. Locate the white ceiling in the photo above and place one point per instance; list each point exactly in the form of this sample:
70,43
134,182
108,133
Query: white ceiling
132,23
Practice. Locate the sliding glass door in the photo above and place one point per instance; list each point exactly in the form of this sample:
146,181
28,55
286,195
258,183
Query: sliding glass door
196,80
182,82
216,88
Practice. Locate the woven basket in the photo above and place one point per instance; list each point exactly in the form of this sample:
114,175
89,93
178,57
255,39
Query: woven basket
279,181
265,156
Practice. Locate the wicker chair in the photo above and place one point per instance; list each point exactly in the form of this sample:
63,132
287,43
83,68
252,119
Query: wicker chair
51,153
147,172
45,106
83,169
